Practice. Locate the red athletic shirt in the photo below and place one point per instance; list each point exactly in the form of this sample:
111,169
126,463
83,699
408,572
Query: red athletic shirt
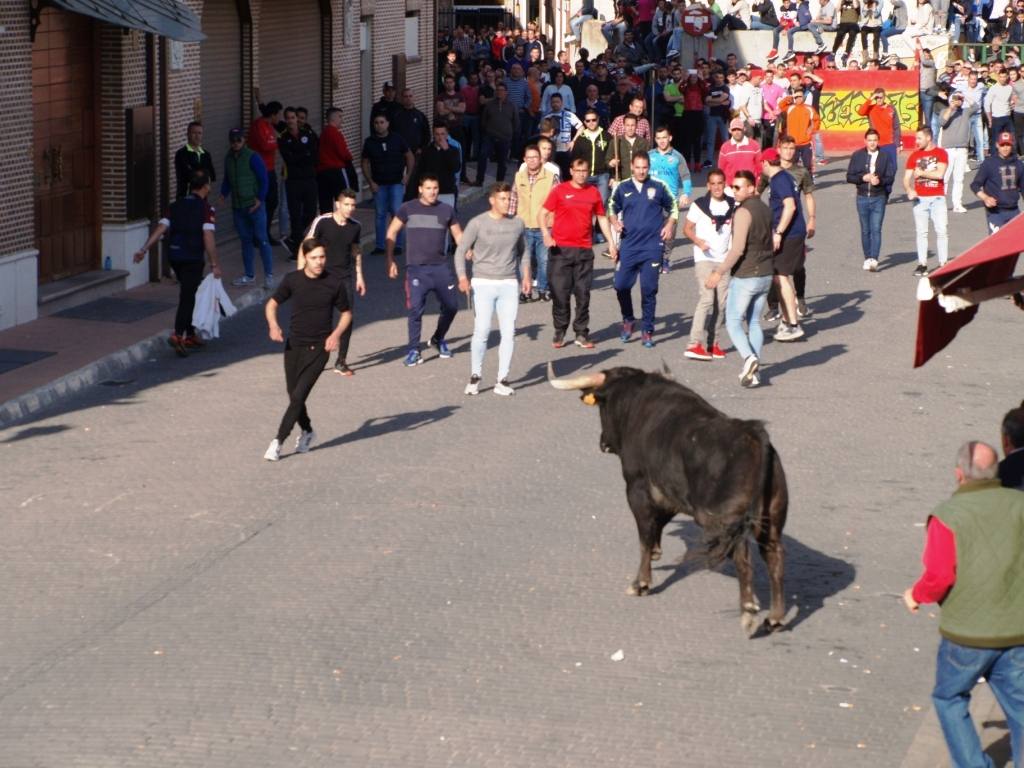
574,209
939,561
928,160
334,151
263,141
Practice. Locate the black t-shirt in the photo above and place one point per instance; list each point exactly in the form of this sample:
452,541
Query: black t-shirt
313,305
721,110
339,240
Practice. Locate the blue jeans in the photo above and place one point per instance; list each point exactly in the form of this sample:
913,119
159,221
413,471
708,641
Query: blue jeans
501,148
978,130
387,200
490,296
715,127
576,25
886,34
927,108
647,266
999,124
252,230
537,251
812,28
745,302
871,211
957,669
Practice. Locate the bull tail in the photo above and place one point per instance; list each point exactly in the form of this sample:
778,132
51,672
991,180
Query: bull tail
720,544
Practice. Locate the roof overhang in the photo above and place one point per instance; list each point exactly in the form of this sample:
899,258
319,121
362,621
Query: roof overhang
167,18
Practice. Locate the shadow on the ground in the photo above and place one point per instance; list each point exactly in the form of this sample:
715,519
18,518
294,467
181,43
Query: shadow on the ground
808,359
896,260
811,576
384,425
1000,750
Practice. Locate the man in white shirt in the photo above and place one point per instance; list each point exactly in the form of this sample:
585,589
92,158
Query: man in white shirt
709,226
566,125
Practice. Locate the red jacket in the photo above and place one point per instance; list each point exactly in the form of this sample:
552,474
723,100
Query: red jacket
334,151
737,157
263,141
884,119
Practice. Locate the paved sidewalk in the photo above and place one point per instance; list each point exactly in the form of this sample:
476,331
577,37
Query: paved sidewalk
84,353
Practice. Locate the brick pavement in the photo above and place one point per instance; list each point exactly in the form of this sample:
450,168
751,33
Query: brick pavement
442,582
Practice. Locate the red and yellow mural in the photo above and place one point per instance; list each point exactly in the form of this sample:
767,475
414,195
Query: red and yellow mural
842,128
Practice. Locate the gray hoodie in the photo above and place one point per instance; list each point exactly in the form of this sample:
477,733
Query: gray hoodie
956,128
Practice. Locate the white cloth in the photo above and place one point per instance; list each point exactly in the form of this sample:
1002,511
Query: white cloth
211,300
718,241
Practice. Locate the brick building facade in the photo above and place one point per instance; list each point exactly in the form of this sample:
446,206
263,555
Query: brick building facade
110,106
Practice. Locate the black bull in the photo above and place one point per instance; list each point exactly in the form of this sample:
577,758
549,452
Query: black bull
680,454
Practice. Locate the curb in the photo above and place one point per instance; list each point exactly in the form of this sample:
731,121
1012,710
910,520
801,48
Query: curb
115,364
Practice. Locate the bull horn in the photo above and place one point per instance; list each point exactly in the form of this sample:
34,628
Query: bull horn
665,370
583,381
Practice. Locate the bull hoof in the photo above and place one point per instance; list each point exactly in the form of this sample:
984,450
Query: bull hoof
775,623
638,588
748,621
656,553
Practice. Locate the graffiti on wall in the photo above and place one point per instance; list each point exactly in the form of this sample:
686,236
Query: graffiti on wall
838,109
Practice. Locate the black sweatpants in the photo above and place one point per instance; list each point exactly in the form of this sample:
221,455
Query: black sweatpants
189,275
302,205
693,130
346,336
302,367
570,274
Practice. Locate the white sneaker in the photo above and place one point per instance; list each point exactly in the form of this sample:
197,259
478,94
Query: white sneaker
748,374
502,388
874,265
710,35
867,265
243,280
788,332
473,388
268,282
569,39
274,451
305,441
959,209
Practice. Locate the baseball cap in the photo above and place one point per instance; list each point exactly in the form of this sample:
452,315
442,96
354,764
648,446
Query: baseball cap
234,134
770,155
1005,138
388,87
956,95
737,122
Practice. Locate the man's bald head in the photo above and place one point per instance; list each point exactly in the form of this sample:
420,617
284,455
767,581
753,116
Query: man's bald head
976,461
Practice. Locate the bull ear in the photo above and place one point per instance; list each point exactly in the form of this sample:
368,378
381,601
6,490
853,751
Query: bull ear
666,371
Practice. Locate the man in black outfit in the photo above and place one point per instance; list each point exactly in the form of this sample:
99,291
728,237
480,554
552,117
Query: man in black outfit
191,158
340,233
411,124
300,150
441,160
190,222
387,105
1011,468
317,293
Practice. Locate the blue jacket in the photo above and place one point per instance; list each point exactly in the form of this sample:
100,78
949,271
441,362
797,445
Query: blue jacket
642,213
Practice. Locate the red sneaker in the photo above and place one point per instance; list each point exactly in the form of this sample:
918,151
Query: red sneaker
193,342
178,345
716,352
697,352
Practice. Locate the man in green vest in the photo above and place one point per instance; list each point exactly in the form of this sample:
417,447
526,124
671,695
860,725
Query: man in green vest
246,183
974,566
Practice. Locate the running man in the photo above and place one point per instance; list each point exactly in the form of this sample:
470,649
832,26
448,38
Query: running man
427,222
637,211
316,293
749,261
497,244
668,167
340,234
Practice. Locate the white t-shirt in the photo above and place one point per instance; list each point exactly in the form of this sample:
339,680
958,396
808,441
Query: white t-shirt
741,93
718,240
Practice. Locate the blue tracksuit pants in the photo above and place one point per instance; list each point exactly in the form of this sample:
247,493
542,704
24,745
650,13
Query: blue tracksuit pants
647,265
420,281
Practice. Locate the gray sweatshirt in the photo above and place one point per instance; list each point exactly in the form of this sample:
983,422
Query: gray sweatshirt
497,246
957,131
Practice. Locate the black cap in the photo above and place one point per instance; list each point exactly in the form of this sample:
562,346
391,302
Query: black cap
235,133
388,87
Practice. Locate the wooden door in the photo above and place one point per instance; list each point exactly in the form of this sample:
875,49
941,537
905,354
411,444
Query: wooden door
64,145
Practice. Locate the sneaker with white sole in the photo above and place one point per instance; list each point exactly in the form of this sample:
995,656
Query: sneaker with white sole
786,332
274,451
802,310
268,282
867,265
749,372
243,280
305,441
473,388
502,388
